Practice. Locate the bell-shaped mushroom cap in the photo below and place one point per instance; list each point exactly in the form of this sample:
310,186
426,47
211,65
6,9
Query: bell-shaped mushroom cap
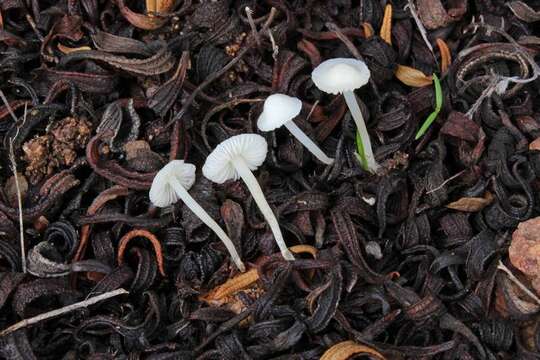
339,75
278,109
162,193
219,166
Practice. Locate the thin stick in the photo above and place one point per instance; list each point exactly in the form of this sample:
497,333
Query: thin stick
445,182
34,27
421,28
516,281
249,14
312,109
54,313
275,48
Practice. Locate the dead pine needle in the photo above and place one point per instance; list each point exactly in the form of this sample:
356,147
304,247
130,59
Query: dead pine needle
13,164
64,310
445,182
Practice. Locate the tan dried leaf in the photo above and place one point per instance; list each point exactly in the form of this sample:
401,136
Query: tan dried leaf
535,145
524,251
159,6
368,30
10,189
140,21
386,28
412,77
471,204
346,349
67,50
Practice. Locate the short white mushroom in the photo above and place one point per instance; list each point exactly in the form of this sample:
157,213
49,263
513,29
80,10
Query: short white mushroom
280,110
235,158
171,183
343,76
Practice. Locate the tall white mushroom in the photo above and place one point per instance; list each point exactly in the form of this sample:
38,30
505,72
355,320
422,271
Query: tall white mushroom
171,183
235,158
280,110
343,76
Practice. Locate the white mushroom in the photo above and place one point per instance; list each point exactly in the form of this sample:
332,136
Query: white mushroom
171,183
235,158
343,76
280,110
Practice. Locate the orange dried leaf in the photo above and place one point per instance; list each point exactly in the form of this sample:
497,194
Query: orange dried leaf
535,144
471,204
368,30
346,349
386,28
164,6
231,286
412,77
66,49
151,6
122,245
446,56
299,249
159,6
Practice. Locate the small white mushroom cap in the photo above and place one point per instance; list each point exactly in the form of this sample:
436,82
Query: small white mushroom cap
335,76
162,194
278,109
252,148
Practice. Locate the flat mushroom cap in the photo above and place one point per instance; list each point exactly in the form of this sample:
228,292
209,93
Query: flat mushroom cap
251,148
278,109
335,76
162,194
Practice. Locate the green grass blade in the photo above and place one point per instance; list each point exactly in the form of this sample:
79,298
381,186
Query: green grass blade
438,106
361,152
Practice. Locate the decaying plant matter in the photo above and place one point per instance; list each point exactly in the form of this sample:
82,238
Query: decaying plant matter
430,255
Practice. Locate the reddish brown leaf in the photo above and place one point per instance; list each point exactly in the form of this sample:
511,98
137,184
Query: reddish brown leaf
524,251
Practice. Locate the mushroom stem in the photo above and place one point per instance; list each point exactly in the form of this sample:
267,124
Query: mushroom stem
308,143
194,206
350,99
256,191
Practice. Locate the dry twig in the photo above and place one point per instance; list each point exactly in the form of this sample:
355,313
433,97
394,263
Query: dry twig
64,310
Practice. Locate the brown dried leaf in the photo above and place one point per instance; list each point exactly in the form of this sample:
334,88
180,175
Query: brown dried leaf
432,14
524,251
471,204
10,189
346,349
386,28
535,144
524,12
412,77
